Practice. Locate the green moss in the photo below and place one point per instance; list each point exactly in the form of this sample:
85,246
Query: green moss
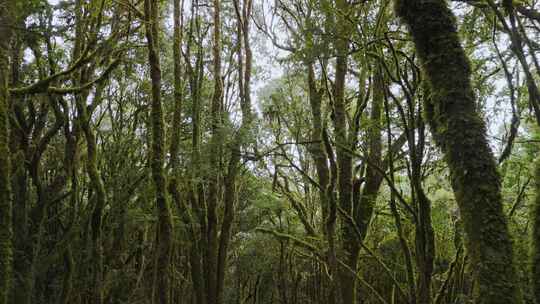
461,134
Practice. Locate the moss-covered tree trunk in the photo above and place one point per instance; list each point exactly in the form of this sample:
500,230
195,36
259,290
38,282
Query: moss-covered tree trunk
349,255
178,6
6,244
320,158
243,17
97,185
461,134
157,159
214,175
535,241
174,182
424,241
196,197
373,178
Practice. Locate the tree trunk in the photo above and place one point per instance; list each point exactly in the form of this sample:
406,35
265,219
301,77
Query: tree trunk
157,159
320,158
214,175
195,193
461,134
6,242
535,248
374,178
343,156
243,13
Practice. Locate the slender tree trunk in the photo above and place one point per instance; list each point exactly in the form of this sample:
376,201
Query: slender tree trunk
196,195
178,89
343,156
535,248
100,199
6,242
424,237
96,181
461,133
244,75
374,178
397,218
174,182
216,147
425,248
157,159
320,158
19,178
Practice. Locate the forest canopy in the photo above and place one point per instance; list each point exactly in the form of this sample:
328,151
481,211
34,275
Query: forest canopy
270,151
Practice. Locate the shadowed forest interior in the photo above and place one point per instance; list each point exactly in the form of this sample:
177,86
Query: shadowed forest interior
270,151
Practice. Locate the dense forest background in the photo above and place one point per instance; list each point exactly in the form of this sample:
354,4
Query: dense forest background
280,151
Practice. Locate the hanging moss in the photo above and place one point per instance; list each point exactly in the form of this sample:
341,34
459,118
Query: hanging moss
461,134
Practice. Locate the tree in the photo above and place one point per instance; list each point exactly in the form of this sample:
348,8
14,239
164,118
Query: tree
460,132
6,233
164,232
